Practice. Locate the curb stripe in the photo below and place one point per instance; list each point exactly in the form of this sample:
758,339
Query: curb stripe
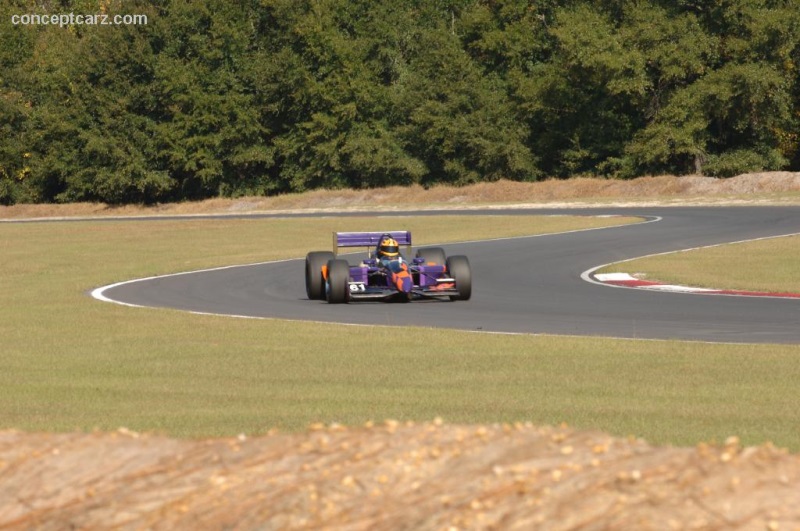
625,280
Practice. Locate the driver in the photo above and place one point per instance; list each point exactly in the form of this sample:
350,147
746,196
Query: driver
389,257
388,250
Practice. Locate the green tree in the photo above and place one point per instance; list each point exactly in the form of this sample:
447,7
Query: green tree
460,120
585,102
87,129
211,131
508,37
736,113
337,118
16,43
269,96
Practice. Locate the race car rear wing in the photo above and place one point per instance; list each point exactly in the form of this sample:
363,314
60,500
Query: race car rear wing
369,240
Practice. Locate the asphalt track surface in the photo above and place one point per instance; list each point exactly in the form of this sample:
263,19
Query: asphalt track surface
524,285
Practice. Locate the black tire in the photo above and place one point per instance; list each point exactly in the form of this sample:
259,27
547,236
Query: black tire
315,282
459,269
338,291
432,254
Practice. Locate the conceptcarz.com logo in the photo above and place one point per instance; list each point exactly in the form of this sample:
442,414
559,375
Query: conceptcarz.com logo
71,19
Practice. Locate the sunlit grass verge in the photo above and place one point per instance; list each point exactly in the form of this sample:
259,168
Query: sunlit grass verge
70,362
769,265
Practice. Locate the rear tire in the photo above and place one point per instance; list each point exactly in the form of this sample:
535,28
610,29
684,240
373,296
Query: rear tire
337,289
432,254
459,269
315,282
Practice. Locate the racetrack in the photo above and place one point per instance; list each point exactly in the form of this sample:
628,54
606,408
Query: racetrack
524,285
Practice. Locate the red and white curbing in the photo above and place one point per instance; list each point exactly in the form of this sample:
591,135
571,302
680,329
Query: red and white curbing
626,280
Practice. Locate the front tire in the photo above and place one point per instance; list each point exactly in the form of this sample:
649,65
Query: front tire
432,255
337,288
315,281
459,269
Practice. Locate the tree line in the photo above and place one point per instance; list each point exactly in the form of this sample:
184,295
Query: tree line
253,97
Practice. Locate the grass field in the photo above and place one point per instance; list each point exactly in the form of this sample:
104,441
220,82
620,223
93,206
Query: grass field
765,265
70,362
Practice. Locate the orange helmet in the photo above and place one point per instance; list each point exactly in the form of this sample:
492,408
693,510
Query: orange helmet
388,247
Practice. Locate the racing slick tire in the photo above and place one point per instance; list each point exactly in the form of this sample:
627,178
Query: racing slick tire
432,255
337,289
459,269
315,281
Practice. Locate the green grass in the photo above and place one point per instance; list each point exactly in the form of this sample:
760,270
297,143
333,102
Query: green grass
70,362
764,265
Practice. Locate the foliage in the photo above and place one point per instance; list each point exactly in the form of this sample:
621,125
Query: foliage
213,97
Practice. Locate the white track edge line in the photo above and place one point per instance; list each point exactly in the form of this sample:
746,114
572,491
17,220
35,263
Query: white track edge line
99,293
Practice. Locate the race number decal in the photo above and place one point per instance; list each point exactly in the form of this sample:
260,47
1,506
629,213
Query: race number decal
357,287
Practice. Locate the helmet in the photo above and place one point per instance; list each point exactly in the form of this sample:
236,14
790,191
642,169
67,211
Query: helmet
388,247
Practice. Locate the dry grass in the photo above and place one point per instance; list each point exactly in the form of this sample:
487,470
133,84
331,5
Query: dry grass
72,362
164,370
768,265
762,188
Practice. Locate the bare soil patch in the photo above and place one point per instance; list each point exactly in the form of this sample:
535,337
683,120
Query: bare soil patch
393,476
758,188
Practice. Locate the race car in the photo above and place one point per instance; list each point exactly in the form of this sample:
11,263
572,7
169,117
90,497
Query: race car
429,275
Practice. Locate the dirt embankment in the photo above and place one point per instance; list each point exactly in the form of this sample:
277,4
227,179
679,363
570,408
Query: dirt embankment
393,476
758,188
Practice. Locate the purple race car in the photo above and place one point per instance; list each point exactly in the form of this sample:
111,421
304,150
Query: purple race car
430,274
